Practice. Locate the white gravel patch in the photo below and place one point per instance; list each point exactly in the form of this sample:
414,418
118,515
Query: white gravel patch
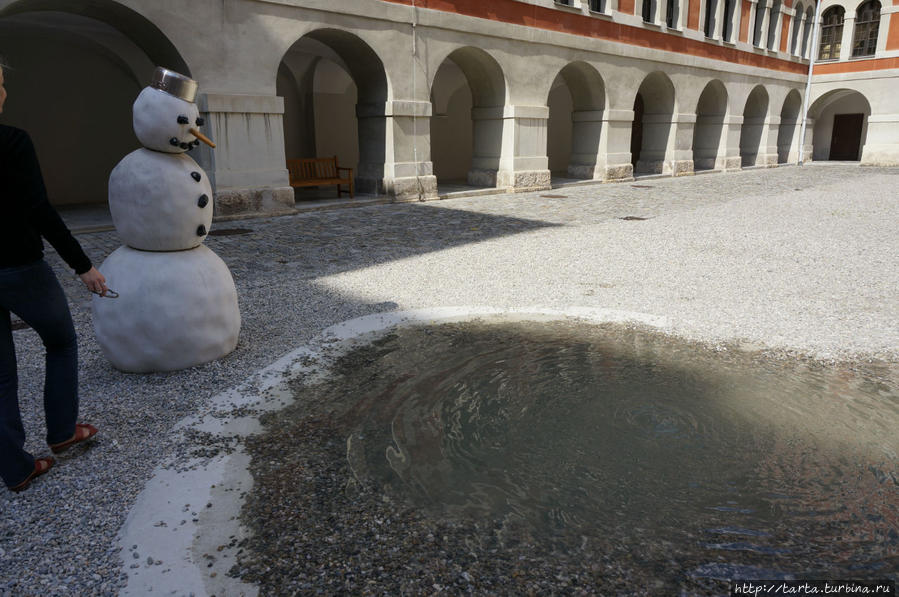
799,271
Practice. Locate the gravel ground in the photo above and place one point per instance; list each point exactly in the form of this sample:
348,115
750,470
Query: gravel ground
797,260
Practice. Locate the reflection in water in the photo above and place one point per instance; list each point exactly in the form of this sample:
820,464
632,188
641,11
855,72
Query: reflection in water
683,460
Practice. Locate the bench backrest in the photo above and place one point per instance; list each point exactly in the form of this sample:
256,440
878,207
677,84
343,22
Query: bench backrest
312,168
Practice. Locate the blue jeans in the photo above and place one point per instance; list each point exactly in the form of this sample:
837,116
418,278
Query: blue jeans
33,293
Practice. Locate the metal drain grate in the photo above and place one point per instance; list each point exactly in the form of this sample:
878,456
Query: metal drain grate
555,196
229,231
633,218
642,186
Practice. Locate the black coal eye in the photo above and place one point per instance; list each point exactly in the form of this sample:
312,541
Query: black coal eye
174,141
200,121
183,119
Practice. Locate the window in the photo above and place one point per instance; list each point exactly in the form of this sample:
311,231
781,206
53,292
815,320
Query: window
773,21
831,33
797,26
648,17
867,23
597,6
757,27
807,30
671,10
709,27
727,31
563,2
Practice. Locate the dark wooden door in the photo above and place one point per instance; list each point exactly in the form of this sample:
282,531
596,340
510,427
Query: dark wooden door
637,131
847,136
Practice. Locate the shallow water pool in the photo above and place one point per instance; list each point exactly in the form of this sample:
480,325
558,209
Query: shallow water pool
681,461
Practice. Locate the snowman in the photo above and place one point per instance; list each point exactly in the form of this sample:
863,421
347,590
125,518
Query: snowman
176,305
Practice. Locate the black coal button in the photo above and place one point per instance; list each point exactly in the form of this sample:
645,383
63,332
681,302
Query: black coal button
196,176
174,141
201,230
203,201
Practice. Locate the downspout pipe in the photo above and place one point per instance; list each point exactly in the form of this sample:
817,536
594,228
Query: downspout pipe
808,84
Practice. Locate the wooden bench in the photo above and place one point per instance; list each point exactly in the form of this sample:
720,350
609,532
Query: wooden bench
314,172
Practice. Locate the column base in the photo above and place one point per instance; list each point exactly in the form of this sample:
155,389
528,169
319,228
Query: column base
618,173
264,200
585,171
480,177
682,168
653,167
412,188
525,180
880,155
731,163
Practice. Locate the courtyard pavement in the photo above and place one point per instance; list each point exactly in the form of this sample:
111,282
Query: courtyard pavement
792,260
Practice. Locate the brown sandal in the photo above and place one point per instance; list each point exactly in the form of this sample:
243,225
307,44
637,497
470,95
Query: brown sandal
83,432
41,466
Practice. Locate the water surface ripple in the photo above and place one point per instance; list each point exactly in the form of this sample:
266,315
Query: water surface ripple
686,460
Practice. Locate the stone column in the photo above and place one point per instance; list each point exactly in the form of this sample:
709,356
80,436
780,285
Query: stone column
615,146
487,133
248,168
793,150
654,156
371,171
408,171
880,148
848,34
682,158
808,145
729,155
524,165
587,160
767,155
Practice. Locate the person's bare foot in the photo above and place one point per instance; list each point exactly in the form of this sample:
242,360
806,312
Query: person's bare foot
83,432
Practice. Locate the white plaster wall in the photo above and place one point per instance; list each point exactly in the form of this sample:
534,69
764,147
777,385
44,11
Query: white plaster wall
336,129
559,127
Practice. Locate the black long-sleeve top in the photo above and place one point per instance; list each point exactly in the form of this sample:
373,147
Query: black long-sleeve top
25,211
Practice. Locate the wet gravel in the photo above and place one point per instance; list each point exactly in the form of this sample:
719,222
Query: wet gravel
800,260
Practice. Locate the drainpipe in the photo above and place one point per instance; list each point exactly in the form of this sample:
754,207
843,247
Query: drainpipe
808,84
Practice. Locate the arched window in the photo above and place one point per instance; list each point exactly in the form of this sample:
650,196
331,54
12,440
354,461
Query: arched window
709,28
831,33
773,21
867,23
757,25
728,29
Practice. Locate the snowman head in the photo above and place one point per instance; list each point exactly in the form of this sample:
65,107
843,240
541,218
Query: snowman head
165,115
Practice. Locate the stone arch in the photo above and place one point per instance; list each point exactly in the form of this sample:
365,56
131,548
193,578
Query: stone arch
755,115
651,135
577,104
787,131
58,52
839,124
711,112
468,95
334,83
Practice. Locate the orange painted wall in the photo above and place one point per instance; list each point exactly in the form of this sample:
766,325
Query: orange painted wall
626,6
529,15
744,21
693,14
893,34
854,66
785,33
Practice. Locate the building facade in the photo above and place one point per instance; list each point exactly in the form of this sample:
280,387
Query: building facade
418,93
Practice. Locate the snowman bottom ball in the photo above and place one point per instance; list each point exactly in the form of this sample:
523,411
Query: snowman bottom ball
175,309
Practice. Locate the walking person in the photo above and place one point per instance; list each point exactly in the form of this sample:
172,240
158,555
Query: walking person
29,289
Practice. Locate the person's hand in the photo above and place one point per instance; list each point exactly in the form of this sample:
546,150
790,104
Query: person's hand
94,281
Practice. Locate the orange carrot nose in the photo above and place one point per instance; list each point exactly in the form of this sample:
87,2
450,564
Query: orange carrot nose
201,137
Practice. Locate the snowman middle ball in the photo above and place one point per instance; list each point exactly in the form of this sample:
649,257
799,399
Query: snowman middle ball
160,201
